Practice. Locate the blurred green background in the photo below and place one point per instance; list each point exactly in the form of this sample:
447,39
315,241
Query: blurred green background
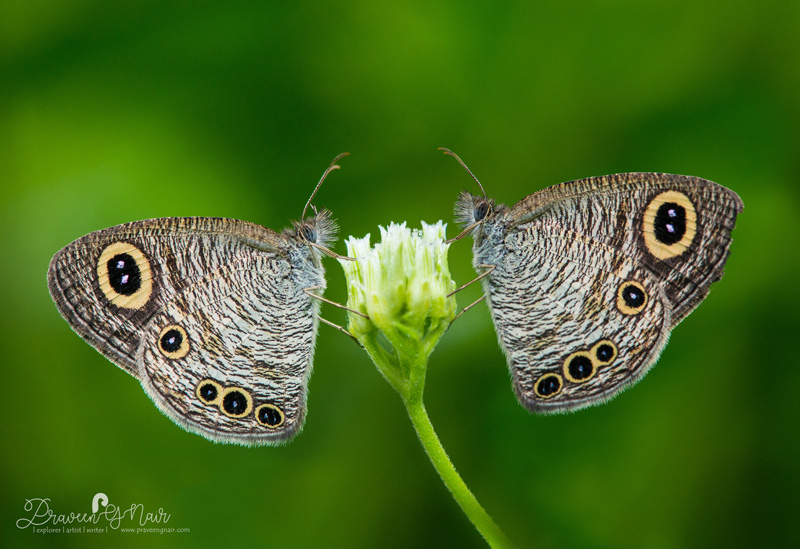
112,114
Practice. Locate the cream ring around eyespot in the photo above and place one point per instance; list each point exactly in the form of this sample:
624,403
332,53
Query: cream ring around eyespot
623,306
209,385
167,338
570,375
542,379
660,249
270,407
596,347
142,294
227,398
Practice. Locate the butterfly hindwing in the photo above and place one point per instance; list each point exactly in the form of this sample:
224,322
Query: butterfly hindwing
559,309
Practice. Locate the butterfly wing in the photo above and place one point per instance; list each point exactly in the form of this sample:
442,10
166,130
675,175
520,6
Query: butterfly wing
592,275
678,226
209,314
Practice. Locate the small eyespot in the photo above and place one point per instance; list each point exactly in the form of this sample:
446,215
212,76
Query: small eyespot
579,367
604,351
669,224
549,385
173,342
209,391
124,277
480,211
236,402
631,298
308,232
269,416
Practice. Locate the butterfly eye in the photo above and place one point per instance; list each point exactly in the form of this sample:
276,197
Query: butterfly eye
269,415
631,298
669,224
480,211
173,342
123,274
579,367
549,385
209,391
236,402
308,232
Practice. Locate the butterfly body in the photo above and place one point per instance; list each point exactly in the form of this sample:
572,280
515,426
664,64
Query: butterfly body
212,315
588,278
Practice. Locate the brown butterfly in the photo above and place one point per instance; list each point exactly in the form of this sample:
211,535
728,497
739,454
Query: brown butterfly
585,280
217,318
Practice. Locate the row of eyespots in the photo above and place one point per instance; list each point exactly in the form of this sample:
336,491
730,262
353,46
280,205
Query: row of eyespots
579,367
237,403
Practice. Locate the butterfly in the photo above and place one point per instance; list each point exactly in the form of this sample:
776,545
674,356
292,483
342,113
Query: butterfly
217,318
585,280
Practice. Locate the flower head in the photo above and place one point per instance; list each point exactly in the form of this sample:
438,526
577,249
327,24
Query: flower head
402,284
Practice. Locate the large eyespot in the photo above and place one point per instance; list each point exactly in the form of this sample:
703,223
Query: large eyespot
173,342
124,275
669,224
604,351
308,232
209,391
631,298
236,402
481,210
549,385
269,416
579,367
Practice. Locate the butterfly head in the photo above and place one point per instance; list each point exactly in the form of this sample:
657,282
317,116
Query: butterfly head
474,210
319,229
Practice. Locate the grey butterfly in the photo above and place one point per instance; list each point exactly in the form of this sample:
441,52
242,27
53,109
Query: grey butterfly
215,317
585,280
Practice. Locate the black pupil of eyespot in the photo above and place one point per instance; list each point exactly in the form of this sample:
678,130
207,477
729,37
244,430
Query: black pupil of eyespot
208,392
269,416
605,352
480,211
670,223
633,296
580,367
308,233
234,403
172,340
549,385
124,274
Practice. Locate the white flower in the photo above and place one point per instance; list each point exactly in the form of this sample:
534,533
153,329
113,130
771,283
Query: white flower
402,284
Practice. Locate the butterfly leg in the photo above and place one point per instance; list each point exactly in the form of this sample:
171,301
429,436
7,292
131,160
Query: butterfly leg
330,253
343,330
467,308
464,233
489,269
315,296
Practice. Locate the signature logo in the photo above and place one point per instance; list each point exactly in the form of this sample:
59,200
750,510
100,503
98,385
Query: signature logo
39,513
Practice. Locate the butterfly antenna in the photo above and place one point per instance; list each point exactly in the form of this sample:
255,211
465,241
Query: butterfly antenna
454,155
329,169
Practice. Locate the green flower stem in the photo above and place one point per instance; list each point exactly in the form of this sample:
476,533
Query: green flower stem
403,287
447,471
